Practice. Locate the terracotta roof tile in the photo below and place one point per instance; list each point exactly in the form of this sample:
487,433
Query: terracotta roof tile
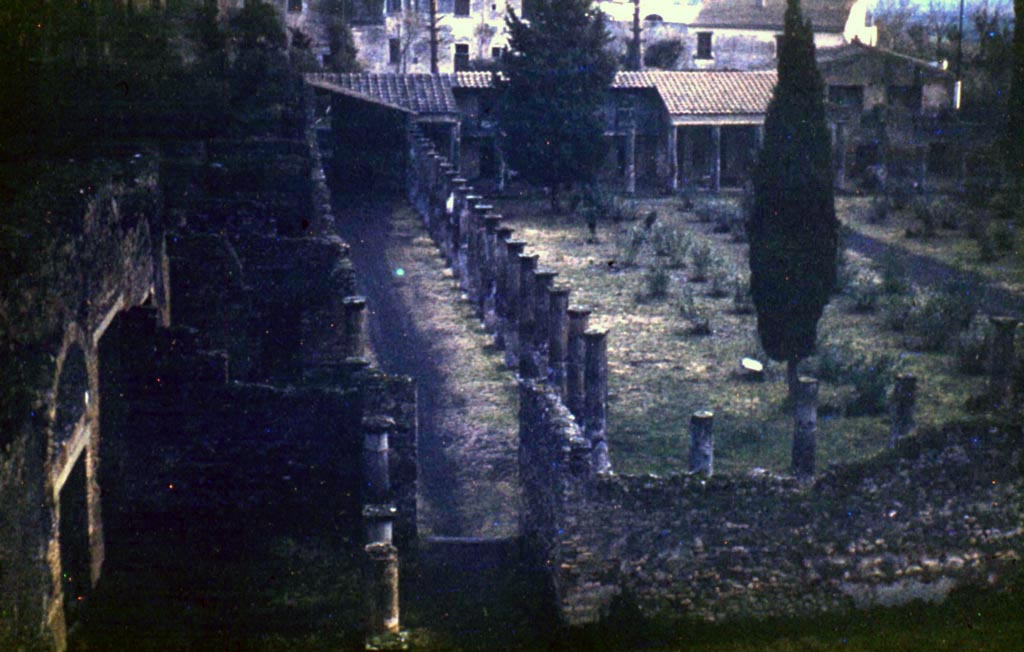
699,92
421,93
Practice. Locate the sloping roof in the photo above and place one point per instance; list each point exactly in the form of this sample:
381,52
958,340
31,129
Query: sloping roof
472,79
705,92
420,93
836,58
825,15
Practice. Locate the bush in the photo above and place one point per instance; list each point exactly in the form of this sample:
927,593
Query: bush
864,292
1003,237
922,210
896,310
894,276
665,54
701,260
630,244
938,316
656,282
986,247
900,194
971,348
697,317
720,283
742,302
878,211
672,243
869,374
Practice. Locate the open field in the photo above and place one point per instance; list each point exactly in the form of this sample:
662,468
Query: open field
660,371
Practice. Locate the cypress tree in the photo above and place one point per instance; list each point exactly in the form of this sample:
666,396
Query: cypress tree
1015,126
792,227
556,74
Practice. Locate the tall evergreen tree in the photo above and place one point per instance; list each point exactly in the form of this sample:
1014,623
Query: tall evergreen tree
1015,128
556,74
793,228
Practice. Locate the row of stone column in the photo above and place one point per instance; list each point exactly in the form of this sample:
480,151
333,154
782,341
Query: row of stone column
520,303
380,576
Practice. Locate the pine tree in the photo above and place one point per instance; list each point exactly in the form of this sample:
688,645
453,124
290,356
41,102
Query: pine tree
793,229
556,74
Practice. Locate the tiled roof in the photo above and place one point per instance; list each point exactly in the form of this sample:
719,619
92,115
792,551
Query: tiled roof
825,15
472,79
421,93
700,92
828,58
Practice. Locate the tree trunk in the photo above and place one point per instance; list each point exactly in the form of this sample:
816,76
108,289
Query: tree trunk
433,37
792,377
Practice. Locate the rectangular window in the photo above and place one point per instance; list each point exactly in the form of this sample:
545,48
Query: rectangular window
394,50
394,6
496,53
848,97
461,7
461,57
703,45
294,5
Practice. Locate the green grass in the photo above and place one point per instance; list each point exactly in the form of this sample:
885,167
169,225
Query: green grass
659,374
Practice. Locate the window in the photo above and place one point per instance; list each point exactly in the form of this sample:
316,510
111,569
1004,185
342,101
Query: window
496,53
394,50
394,6
461,57
847,97
703,45
461,7
294,5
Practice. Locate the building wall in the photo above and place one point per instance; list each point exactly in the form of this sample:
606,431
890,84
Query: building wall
479,32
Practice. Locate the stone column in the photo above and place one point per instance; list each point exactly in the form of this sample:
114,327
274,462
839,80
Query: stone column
558,337
443,235
379,522
805,429
631,160
513,250
544,280
467,232
716,158
702,443
489,272
840,154
354,308
526,317
452,247
381,589
1001,358
579,322
456,145
901,408
502,236
687,137
477,239
499,156
673,159
376,482
596,395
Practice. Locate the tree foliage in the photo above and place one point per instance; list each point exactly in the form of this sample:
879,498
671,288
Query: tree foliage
1015,111
556,74
793,229
666,54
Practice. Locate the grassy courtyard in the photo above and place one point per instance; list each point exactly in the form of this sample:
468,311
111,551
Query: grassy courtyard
671,289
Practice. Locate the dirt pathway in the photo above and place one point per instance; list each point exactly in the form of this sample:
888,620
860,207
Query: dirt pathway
928,272
420,327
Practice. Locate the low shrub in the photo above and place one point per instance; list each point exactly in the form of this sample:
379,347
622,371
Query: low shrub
900,192
864,292
986,247
1003,237
698,318
671,243
878,211
896,309
894,276
925,216
971,348
656,282
720,284
869,374
742,302
629,244
937,317
701,260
